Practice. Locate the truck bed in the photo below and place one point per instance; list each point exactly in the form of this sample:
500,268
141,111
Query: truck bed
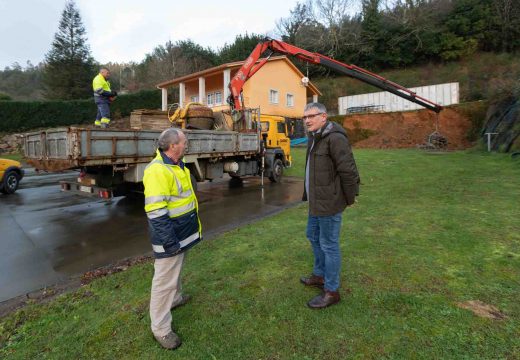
73,147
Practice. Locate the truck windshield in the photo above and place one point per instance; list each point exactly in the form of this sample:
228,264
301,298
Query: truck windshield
264,126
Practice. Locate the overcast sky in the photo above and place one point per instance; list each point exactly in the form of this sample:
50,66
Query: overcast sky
125,30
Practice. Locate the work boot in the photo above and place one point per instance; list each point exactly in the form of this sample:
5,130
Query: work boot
97,123
326,298
183,301
170,341
313,280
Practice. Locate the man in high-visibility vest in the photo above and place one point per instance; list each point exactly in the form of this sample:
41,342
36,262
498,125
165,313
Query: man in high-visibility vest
172,210
103,96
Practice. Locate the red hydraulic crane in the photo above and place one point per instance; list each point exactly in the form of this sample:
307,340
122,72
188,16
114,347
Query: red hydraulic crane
270,46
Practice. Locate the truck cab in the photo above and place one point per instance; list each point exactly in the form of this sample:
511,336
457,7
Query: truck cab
274,129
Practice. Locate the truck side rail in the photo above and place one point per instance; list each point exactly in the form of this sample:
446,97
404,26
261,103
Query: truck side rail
72,147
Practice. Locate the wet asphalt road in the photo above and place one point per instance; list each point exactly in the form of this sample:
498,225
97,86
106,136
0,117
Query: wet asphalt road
47,235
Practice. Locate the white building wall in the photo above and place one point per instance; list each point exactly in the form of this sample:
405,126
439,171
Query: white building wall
443,94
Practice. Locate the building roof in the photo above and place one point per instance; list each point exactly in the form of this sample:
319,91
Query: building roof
232,65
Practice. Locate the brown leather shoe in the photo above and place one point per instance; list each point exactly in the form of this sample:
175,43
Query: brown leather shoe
326,298
183,301
171,341
313,280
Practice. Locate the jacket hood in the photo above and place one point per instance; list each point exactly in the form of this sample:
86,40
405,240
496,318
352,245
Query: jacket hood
329,128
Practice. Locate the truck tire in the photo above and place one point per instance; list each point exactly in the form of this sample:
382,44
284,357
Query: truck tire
10,182
277,171
235,182
134,191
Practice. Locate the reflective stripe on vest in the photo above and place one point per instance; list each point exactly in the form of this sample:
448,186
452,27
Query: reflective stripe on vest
158,248
156,213
189,239
178,211
193,237
155,199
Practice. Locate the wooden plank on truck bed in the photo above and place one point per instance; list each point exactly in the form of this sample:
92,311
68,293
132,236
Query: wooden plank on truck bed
149,120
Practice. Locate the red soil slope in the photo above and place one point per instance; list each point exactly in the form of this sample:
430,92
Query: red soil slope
409,129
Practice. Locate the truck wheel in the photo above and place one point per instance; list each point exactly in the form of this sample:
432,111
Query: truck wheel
235,182
277,172
10,183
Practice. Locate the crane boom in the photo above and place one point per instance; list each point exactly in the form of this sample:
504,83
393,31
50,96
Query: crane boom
269,46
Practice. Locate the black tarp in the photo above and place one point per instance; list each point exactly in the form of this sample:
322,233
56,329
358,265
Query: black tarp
503,118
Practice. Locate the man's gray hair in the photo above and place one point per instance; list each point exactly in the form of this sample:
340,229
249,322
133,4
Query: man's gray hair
316,105
103,68
168,137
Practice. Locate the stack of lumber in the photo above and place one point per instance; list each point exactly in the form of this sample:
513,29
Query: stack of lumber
145,119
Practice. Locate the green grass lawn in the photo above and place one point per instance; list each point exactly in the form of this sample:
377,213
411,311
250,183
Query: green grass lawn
17,157
428,231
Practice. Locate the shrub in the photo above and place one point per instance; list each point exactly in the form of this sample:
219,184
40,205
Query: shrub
27,115
476,112
5,97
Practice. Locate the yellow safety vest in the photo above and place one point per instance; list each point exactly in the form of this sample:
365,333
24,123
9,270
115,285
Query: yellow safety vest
168,190
100,84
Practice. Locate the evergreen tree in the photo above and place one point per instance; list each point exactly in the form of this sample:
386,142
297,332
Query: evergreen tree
240,49
69,65
173,60
20,83
371,33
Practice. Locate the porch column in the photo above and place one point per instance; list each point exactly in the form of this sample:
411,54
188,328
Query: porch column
182,94
227,80
202,90
164,93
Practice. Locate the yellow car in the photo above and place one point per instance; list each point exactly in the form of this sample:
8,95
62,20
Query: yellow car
11,173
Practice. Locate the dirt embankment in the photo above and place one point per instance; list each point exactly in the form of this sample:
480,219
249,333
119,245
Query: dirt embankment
408,129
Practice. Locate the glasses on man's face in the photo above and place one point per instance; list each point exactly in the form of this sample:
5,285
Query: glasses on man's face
310,116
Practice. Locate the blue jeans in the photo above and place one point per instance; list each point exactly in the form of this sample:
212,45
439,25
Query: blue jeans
323,233
103,109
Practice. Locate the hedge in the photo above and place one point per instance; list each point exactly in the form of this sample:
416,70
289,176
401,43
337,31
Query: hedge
18,116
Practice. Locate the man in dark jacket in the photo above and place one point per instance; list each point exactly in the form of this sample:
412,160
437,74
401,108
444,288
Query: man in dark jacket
331,184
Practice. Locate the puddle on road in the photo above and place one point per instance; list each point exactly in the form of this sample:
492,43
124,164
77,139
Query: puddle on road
71,234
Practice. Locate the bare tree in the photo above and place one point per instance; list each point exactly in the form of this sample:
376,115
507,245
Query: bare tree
332,12
289,27
334,15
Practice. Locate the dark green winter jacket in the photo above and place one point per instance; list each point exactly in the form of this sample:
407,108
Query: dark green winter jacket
333,175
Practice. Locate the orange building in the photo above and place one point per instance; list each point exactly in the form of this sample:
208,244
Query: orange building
276,88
